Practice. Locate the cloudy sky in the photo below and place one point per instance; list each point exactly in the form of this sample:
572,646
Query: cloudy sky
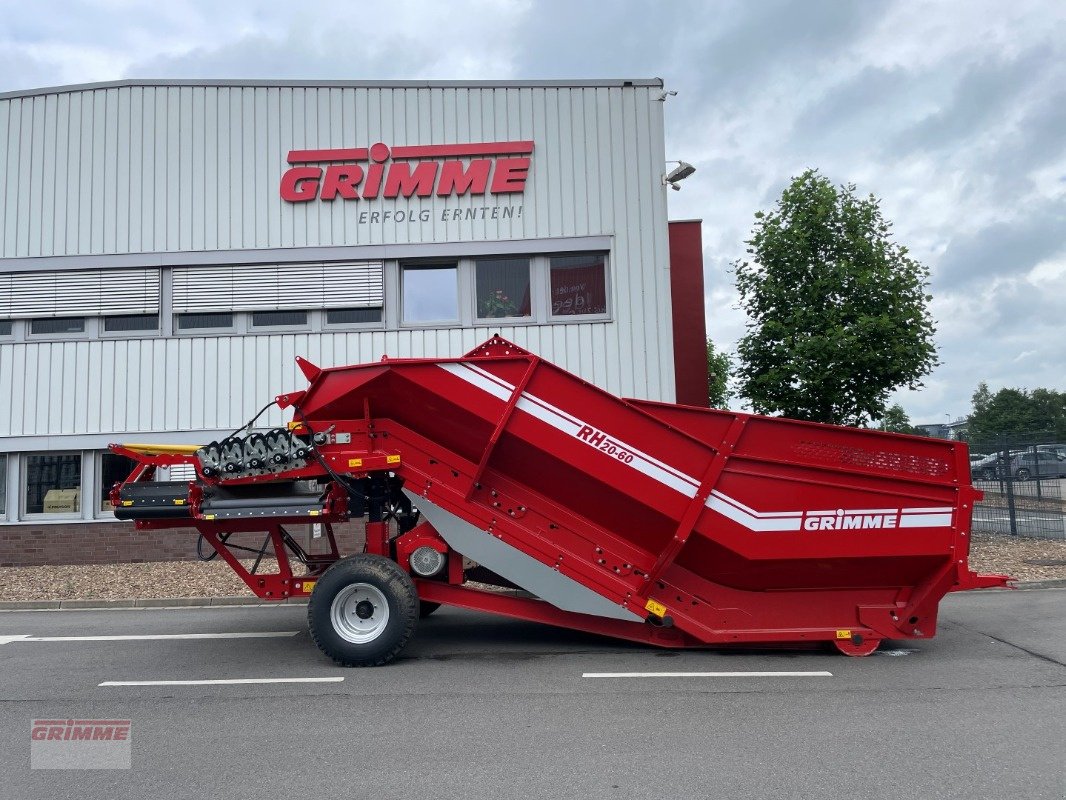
954,113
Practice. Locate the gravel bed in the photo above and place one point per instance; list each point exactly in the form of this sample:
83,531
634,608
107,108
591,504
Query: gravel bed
1005,554
156,579
997,553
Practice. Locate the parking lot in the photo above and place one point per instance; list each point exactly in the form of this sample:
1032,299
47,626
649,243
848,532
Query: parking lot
489,707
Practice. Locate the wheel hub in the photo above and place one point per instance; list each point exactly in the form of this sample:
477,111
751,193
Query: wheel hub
359,613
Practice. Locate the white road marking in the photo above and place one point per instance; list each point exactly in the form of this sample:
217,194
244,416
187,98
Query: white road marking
902,651
147,637
815,674
222,682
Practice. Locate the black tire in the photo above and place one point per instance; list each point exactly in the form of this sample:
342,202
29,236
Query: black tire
360,585
1022,474
425,608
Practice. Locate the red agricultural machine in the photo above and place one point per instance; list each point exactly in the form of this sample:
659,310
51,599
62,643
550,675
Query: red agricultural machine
502,483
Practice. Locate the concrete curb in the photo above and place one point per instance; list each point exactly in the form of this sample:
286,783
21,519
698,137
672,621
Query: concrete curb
1052,584
216,602
145,602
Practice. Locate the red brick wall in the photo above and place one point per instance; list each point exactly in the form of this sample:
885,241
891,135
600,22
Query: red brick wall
121,543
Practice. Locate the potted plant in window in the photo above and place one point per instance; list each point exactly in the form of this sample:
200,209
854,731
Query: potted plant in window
497,304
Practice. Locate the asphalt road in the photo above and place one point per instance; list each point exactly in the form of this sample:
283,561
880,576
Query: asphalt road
489,708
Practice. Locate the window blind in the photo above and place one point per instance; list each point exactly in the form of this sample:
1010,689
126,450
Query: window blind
278,287
79,293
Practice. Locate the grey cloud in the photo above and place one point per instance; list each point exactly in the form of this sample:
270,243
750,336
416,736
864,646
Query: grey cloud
980,98
854,113
19,72
1038,140
1003,248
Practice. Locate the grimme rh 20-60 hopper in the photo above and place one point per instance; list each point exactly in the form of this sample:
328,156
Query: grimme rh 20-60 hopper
500,482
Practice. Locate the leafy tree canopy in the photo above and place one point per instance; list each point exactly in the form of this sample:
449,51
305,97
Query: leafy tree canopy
1013,411
719,368
837,310
895,420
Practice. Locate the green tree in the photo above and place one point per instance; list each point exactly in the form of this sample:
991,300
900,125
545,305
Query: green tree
719,368
838,314
895,420
1017,411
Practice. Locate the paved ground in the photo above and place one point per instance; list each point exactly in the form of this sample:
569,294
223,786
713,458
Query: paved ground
489,708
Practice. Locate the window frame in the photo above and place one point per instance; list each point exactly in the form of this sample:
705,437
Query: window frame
24,474
252,328
326,326
608,290
104,333
90,329
98,479
535,290
5,477
235,325
462,290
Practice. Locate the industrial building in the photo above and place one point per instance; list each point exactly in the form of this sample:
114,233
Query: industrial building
167,248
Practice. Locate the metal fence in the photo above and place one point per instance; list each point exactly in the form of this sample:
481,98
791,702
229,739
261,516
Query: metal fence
1023,480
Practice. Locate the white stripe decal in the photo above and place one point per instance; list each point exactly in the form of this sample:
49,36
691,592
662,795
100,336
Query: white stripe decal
925,520
685,484
740,514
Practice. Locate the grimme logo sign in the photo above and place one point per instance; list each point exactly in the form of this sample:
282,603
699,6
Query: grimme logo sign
434,170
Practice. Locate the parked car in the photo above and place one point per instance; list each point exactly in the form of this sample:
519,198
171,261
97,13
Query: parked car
1057,449
1041,464
988,468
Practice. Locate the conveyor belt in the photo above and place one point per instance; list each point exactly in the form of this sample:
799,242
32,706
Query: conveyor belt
154,500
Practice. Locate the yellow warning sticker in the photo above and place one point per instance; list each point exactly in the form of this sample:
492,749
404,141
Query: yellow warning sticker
355,462
127,502
309,585
179,502
314,513
658,609
843,634
392,460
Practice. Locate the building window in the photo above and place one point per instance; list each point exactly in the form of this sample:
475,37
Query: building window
3,485
53,483
430,294
502,288
131,322
53,325
352,316
278,319
188,322
6,327
113,469
578,285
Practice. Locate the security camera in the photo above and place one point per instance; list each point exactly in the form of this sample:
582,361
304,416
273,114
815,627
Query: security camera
668,93
678,174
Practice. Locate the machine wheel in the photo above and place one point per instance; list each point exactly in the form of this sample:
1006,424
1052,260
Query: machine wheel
857,645
363,611
425,608
1022,474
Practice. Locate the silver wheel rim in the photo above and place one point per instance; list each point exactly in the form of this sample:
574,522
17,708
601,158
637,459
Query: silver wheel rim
350,609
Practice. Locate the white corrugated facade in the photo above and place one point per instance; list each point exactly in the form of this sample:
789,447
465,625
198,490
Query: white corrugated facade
163,198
